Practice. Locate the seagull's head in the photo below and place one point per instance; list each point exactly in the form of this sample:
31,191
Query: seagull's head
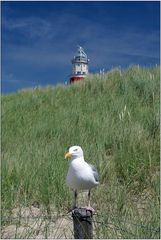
74,152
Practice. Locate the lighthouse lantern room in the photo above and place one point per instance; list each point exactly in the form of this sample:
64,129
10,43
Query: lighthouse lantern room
80,66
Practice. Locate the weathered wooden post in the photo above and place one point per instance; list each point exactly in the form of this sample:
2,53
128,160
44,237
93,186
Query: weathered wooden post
82,223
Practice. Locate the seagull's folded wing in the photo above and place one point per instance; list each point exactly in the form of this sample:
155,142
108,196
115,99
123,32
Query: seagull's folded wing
95,172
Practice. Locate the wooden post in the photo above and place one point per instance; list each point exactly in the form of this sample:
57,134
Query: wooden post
82,223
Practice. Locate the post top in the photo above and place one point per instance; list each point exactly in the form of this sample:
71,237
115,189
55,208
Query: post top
82,213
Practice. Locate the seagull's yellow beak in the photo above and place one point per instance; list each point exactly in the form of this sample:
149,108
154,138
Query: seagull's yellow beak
68,155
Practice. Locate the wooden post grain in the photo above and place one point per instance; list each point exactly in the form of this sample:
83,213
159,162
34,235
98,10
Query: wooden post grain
82,223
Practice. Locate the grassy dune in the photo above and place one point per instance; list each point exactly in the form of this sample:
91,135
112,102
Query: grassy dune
115,119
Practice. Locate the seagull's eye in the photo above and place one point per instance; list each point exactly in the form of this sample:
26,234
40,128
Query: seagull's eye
75,150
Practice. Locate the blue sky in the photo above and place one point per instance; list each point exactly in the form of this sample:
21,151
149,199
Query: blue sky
39,39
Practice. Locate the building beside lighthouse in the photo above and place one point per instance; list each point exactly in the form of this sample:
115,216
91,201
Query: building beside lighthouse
79,66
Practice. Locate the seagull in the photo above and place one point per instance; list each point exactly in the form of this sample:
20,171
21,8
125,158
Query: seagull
81,175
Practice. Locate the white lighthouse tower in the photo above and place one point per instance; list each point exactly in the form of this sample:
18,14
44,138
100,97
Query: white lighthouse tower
80,66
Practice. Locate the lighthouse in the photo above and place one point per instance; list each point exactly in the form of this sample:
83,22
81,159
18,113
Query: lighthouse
79,66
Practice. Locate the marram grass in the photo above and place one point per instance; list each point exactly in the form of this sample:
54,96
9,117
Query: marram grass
115,119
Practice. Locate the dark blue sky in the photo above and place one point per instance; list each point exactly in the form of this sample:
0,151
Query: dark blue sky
39,39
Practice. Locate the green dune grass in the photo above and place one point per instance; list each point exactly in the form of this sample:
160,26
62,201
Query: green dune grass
115,119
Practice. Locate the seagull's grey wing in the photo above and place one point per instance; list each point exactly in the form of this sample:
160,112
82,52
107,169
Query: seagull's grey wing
95,172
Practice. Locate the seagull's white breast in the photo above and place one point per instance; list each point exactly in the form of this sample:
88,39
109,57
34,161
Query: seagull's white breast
80,175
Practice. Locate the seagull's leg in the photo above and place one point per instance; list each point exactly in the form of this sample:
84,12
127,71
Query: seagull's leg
75,199
74,203
89,195
89,203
